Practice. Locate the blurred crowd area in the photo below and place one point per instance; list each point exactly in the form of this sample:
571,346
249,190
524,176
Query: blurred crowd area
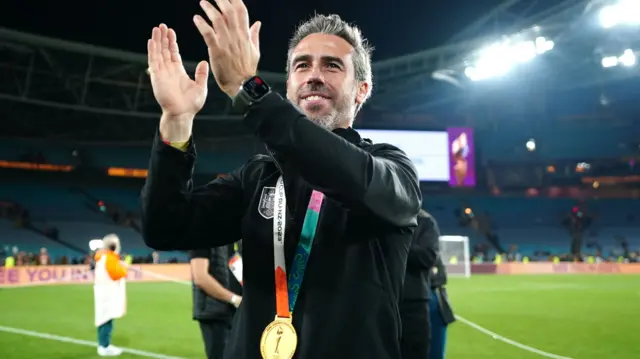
43,258
500,230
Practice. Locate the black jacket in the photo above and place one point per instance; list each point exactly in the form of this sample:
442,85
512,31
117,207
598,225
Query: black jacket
422,258
438,275
348,301
204,306
438,280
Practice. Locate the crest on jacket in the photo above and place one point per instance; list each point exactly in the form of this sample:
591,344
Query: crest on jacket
266,202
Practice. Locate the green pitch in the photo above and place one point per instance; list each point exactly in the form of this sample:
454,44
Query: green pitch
580,317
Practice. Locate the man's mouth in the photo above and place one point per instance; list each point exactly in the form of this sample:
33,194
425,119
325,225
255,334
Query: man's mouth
314,99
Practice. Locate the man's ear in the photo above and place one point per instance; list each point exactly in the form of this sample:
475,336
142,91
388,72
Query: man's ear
362,92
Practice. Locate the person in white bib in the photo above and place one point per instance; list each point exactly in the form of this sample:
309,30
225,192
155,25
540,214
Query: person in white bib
109,291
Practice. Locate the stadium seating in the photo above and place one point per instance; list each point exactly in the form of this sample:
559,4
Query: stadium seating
552,145
76,217
533,224
128,157
28,241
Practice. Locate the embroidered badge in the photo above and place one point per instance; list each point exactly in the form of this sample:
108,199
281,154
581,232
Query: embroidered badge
265,205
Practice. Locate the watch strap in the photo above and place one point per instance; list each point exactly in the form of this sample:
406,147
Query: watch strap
243,100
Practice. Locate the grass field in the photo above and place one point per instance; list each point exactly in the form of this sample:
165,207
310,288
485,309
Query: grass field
579,317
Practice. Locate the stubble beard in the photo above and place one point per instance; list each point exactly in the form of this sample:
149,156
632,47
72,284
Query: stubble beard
336,118
328,121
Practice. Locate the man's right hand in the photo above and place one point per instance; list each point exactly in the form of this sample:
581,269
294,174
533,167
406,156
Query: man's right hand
236,300
180,97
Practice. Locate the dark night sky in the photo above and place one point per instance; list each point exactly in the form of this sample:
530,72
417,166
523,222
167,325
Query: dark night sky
394,27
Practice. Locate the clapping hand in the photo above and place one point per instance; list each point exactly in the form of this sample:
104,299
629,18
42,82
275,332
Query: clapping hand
180,97
234,48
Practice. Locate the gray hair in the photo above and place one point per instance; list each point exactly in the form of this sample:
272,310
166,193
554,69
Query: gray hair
112,240
334,25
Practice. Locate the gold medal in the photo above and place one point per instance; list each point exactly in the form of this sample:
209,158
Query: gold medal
279,339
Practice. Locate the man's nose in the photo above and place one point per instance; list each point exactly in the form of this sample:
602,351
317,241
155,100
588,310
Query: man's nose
315,76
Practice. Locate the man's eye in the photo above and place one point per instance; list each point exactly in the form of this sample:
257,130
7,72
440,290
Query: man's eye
301,66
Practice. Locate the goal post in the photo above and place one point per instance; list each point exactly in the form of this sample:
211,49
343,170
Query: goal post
454,251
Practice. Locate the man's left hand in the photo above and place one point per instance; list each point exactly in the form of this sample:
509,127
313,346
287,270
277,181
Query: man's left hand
234,48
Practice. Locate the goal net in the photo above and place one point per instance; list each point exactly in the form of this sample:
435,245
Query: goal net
454,251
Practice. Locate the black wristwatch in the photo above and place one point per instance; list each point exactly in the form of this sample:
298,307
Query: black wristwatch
251,91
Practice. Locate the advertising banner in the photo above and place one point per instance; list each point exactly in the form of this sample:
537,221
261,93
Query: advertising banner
79,274
559,268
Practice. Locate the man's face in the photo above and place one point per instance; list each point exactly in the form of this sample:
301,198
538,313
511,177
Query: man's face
322,82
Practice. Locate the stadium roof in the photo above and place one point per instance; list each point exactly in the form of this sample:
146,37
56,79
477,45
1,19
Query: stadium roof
73,83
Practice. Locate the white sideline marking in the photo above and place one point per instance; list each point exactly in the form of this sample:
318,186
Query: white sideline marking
161,276
509,341
80,342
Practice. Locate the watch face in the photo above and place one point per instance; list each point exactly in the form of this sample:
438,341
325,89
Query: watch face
255,87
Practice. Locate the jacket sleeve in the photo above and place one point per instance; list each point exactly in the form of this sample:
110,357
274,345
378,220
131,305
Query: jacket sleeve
115,269
384,182
424,249
177,216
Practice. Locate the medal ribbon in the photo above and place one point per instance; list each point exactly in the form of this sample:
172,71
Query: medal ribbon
287,291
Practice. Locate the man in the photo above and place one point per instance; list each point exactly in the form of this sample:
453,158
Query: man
440,311
213,304
109,291
333,210
414,308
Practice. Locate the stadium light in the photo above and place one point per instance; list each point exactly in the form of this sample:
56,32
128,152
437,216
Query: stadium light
624,12
627,59
531,145
498,59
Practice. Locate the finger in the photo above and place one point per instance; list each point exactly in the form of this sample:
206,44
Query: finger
164,41
216,18
154,46
255,34
243,13
202,74
173,48
207,32
150,60
229,13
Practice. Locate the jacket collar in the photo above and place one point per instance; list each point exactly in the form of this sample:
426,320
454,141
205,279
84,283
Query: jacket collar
350,135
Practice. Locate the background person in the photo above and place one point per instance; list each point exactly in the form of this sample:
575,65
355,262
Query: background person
214,296
440,311
414,308
109,292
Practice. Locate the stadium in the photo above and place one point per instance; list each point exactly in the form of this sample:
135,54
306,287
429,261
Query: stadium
540,219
